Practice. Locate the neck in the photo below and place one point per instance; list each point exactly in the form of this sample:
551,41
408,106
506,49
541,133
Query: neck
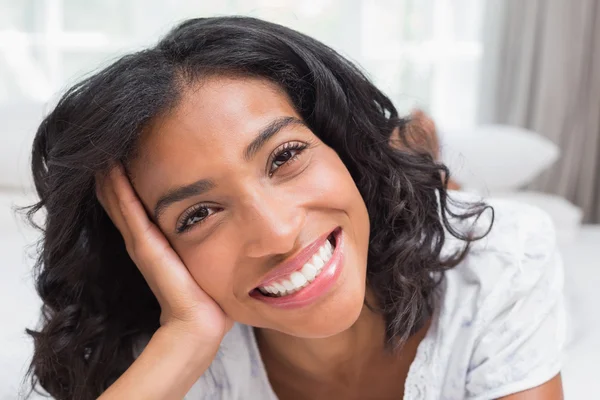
323,358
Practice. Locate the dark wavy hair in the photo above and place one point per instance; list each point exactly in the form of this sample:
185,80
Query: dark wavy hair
96,304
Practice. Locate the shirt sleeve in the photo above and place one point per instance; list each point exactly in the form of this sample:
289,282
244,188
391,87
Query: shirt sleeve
521,329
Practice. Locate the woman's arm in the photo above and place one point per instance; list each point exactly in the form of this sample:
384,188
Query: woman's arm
167,368
551,390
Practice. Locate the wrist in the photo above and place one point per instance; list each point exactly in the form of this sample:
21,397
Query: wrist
191,344
167,368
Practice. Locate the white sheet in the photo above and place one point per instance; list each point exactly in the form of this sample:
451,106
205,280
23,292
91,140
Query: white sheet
19,306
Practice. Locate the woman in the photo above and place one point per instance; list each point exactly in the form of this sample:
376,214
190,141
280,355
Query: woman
292,243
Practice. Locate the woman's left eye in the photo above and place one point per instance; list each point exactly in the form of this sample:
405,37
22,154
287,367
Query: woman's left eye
286,153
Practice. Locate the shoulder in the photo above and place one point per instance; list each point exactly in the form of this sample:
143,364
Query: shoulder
504,302
519,250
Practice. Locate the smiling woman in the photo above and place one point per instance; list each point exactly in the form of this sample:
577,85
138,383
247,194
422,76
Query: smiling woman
239,213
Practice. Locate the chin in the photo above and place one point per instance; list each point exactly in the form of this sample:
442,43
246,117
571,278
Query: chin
334,316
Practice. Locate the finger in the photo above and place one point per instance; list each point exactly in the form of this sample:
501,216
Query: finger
100,187
145,242
129,205
108,199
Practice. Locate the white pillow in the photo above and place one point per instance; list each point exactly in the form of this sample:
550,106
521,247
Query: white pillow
496,158
566,216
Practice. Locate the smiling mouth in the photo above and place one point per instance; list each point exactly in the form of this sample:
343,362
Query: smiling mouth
303,277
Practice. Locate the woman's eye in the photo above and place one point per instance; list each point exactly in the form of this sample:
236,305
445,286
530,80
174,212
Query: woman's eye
286,154
194,216
283,157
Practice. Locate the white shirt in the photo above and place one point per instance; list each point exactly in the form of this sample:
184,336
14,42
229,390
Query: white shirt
499,327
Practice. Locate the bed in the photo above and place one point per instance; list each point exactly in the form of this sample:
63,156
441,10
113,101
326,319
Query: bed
20,306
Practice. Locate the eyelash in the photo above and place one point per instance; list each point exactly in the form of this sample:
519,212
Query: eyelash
183,226
299,147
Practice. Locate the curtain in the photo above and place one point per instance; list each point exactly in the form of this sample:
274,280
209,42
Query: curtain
541,71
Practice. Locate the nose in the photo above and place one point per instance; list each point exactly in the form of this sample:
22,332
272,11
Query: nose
271,225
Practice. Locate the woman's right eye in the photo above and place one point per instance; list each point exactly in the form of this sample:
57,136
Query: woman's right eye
194,216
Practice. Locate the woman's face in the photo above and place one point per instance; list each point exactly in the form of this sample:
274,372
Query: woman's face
248,196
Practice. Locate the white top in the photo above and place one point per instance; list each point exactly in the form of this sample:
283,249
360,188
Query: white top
499,327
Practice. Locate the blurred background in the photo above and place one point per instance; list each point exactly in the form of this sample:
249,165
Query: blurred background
513,88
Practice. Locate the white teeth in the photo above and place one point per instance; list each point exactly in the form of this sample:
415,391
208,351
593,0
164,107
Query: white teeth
298,279
279,287
302,278
288,285
324,252
317,262
309,271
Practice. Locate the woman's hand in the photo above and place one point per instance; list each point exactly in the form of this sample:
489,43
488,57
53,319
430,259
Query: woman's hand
186,309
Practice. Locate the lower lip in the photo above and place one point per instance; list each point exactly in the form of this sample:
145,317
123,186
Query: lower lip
317,288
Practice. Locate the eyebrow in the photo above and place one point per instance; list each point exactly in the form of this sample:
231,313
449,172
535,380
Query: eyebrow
267,132
181,193
204,185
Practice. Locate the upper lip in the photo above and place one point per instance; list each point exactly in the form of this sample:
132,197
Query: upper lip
296,262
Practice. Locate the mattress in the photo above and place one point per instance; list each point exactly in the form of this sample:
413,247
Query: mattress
19,307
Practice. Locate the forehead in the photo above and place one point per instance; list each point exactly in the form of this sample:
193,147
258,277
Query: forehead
216,114
205,135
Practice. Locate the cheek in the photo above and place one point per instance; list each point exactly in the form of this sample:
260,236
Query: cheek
330,179
344,195
212,269
337,191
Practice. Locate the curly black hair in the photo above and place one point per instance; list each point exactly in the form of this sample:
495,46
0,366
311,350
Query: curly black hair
84,275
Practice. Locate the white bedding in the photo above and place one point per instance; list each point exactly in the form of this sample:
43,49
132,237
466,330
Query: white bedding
19,306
